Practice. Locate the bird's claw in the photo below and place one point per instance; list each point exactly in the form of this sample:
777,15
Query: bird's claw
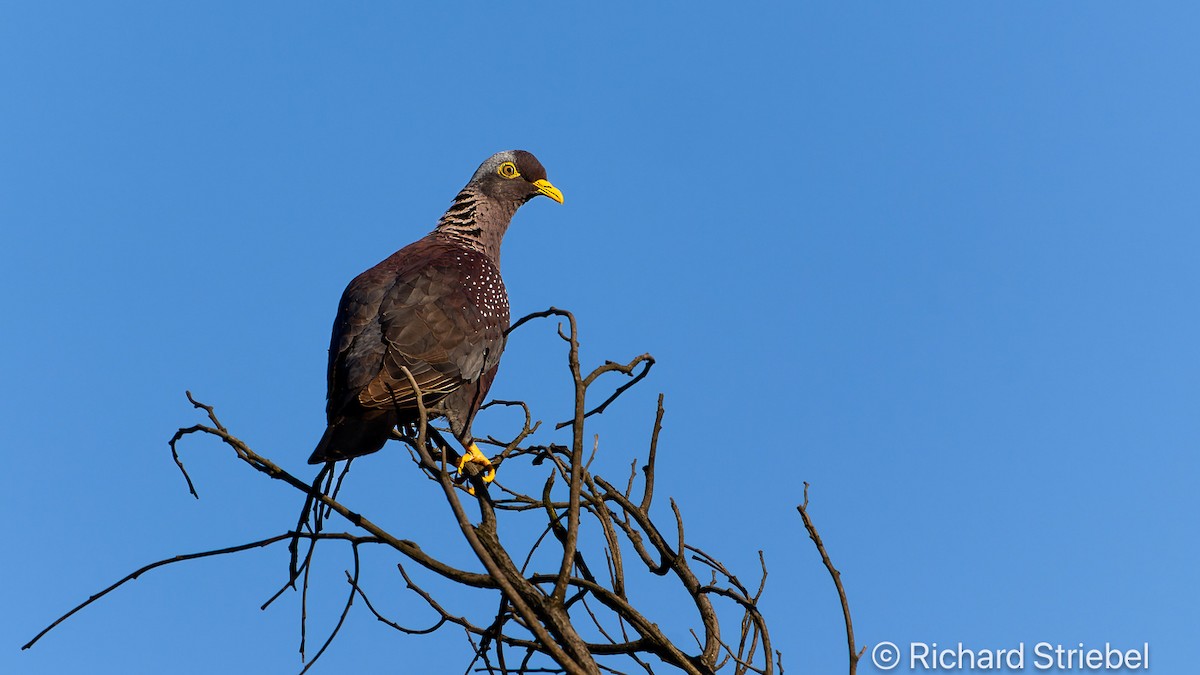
475,456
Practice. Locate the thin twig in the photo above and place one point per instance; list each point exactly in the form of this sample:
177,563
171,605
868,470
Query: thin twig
181,558
341,619
855,654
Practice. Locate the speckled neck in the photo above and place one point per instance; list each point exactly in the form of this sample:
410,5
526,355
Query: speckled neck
477,222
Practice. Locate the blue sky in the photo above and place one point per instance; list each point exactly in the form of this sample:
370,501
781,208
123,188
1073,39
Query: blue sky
938,259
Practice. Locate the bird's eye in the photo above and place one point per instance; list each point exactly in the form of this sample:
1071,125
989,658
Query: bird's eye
508,170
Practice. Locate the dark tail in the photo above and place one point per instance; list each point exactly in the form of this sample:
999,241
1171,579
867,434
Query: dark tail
351,438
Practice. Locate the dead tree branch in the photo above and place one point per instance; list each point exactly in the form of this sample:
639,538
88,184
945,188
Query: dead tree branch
575,617
855,653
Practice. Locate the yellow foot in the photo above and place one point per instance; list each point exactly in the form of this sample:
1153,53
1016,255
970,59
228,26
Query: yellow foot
474,456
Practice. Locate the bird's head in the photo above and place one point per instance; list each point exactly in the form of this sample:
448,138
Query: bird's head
514,175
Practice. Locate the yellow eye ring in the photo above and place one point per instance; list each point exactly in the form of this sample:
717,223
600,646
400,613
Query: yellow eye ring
508,170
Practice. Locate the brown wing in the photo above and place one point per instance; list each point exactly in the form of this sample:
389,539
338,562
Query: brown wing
434,307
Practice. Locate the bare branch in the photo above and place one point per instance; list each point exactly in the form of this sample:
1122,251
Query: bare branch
855,654
190,556
345,611
648,493
538,616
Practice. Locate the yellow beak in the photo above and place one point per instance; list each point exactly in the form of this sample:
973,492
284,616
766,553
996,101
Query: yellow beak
544,187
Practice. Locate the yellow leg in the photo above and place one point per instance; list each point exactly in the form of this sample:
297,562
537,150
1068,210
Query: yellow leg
474,456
